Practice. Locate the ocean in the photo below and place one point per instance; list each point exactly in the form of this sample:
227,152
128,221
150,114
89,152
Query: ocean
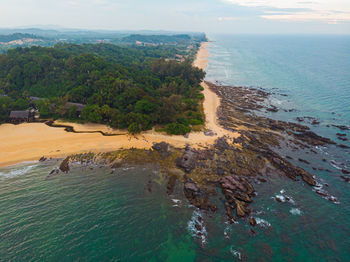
91,214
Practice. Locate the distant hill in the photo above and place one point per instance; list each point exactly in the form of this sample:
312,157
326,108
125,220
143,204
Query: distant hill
157,39
16,36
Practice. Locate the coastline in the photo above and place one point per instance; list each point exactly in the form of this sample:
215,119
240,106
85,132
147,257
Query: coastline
31,141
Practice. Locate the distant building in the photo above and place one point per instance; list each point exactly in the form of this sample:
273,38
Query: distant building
22,116
79,107
3,95
34,98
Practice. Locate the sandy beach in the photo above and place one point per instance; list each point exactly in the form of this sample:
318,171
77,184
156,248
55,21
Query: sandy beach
31,141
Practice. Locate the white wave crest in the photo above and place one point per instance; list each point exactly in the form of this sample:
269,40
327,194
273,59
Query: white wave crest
262,223
236,253
201,233
176,201
295,211
16,171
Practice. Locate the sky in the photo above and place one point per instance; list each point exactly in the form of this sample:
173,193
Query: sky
210,16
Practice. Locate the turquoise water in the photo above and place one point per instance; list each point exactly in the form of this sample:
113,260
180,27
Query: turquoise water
93,215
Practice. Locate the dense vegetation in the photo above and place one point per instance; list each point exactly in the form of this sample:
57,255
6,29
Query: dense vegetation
48,38
157,39
124,87
16,36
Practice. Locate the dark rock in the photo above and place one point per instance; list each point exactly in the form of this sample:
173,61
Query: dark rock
196,197
198,227
162,148
55,171
191,186
188,161
272,109
42,159
241,209
343,146
304,161
209,133
207,154
64,167
321,193
278,199
346,179
221,144
262,180
341,127
149,186
306,177
252,222
171,185
345,172
340,134
313,139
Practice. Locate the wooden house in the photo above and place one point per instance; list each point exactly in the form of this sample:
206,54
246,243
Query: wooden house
22,116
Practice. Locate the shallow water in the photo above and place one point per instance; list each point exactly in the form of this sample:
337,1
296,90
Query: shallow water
313,71
93,215
90,215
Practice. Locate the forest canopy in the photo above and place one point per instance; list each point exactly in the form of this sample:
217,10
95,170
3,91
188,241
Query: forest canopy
124,87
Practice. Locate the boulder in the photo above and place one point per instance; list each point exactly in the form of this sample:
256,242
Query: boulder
42,159
241,209
252,222
162,148
64,167
188,161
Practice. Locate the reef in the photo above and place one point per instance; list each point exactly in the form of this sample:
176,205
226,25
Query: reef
224,173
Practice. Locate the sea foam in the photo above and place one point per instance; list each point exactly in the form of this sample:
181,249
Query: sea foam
19,171
295,211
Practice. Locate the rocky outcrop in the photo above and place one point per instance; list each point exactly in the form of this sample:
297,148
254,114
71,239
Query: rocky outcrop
188,161
198,197
42,159
171,184
252,222
238,192
162,148
64,167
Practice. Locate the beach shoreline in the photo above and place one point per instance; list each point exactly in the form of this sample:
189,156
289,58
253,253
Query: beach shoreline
31,141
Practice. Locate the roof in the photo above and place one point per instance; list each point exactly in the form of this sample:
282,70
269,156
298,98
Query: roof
79,107
19,114
34,98
3,95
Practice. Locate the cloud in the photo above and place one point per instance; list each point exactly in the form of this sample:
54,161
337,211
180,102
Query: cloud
330,18
228,18
332,12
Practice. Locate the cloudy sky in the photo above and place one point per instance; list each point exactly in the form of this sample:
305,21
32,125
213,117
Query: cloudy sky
221,16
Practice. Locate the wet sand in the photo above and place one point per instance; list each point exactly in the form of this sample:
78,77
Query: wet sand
31,141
